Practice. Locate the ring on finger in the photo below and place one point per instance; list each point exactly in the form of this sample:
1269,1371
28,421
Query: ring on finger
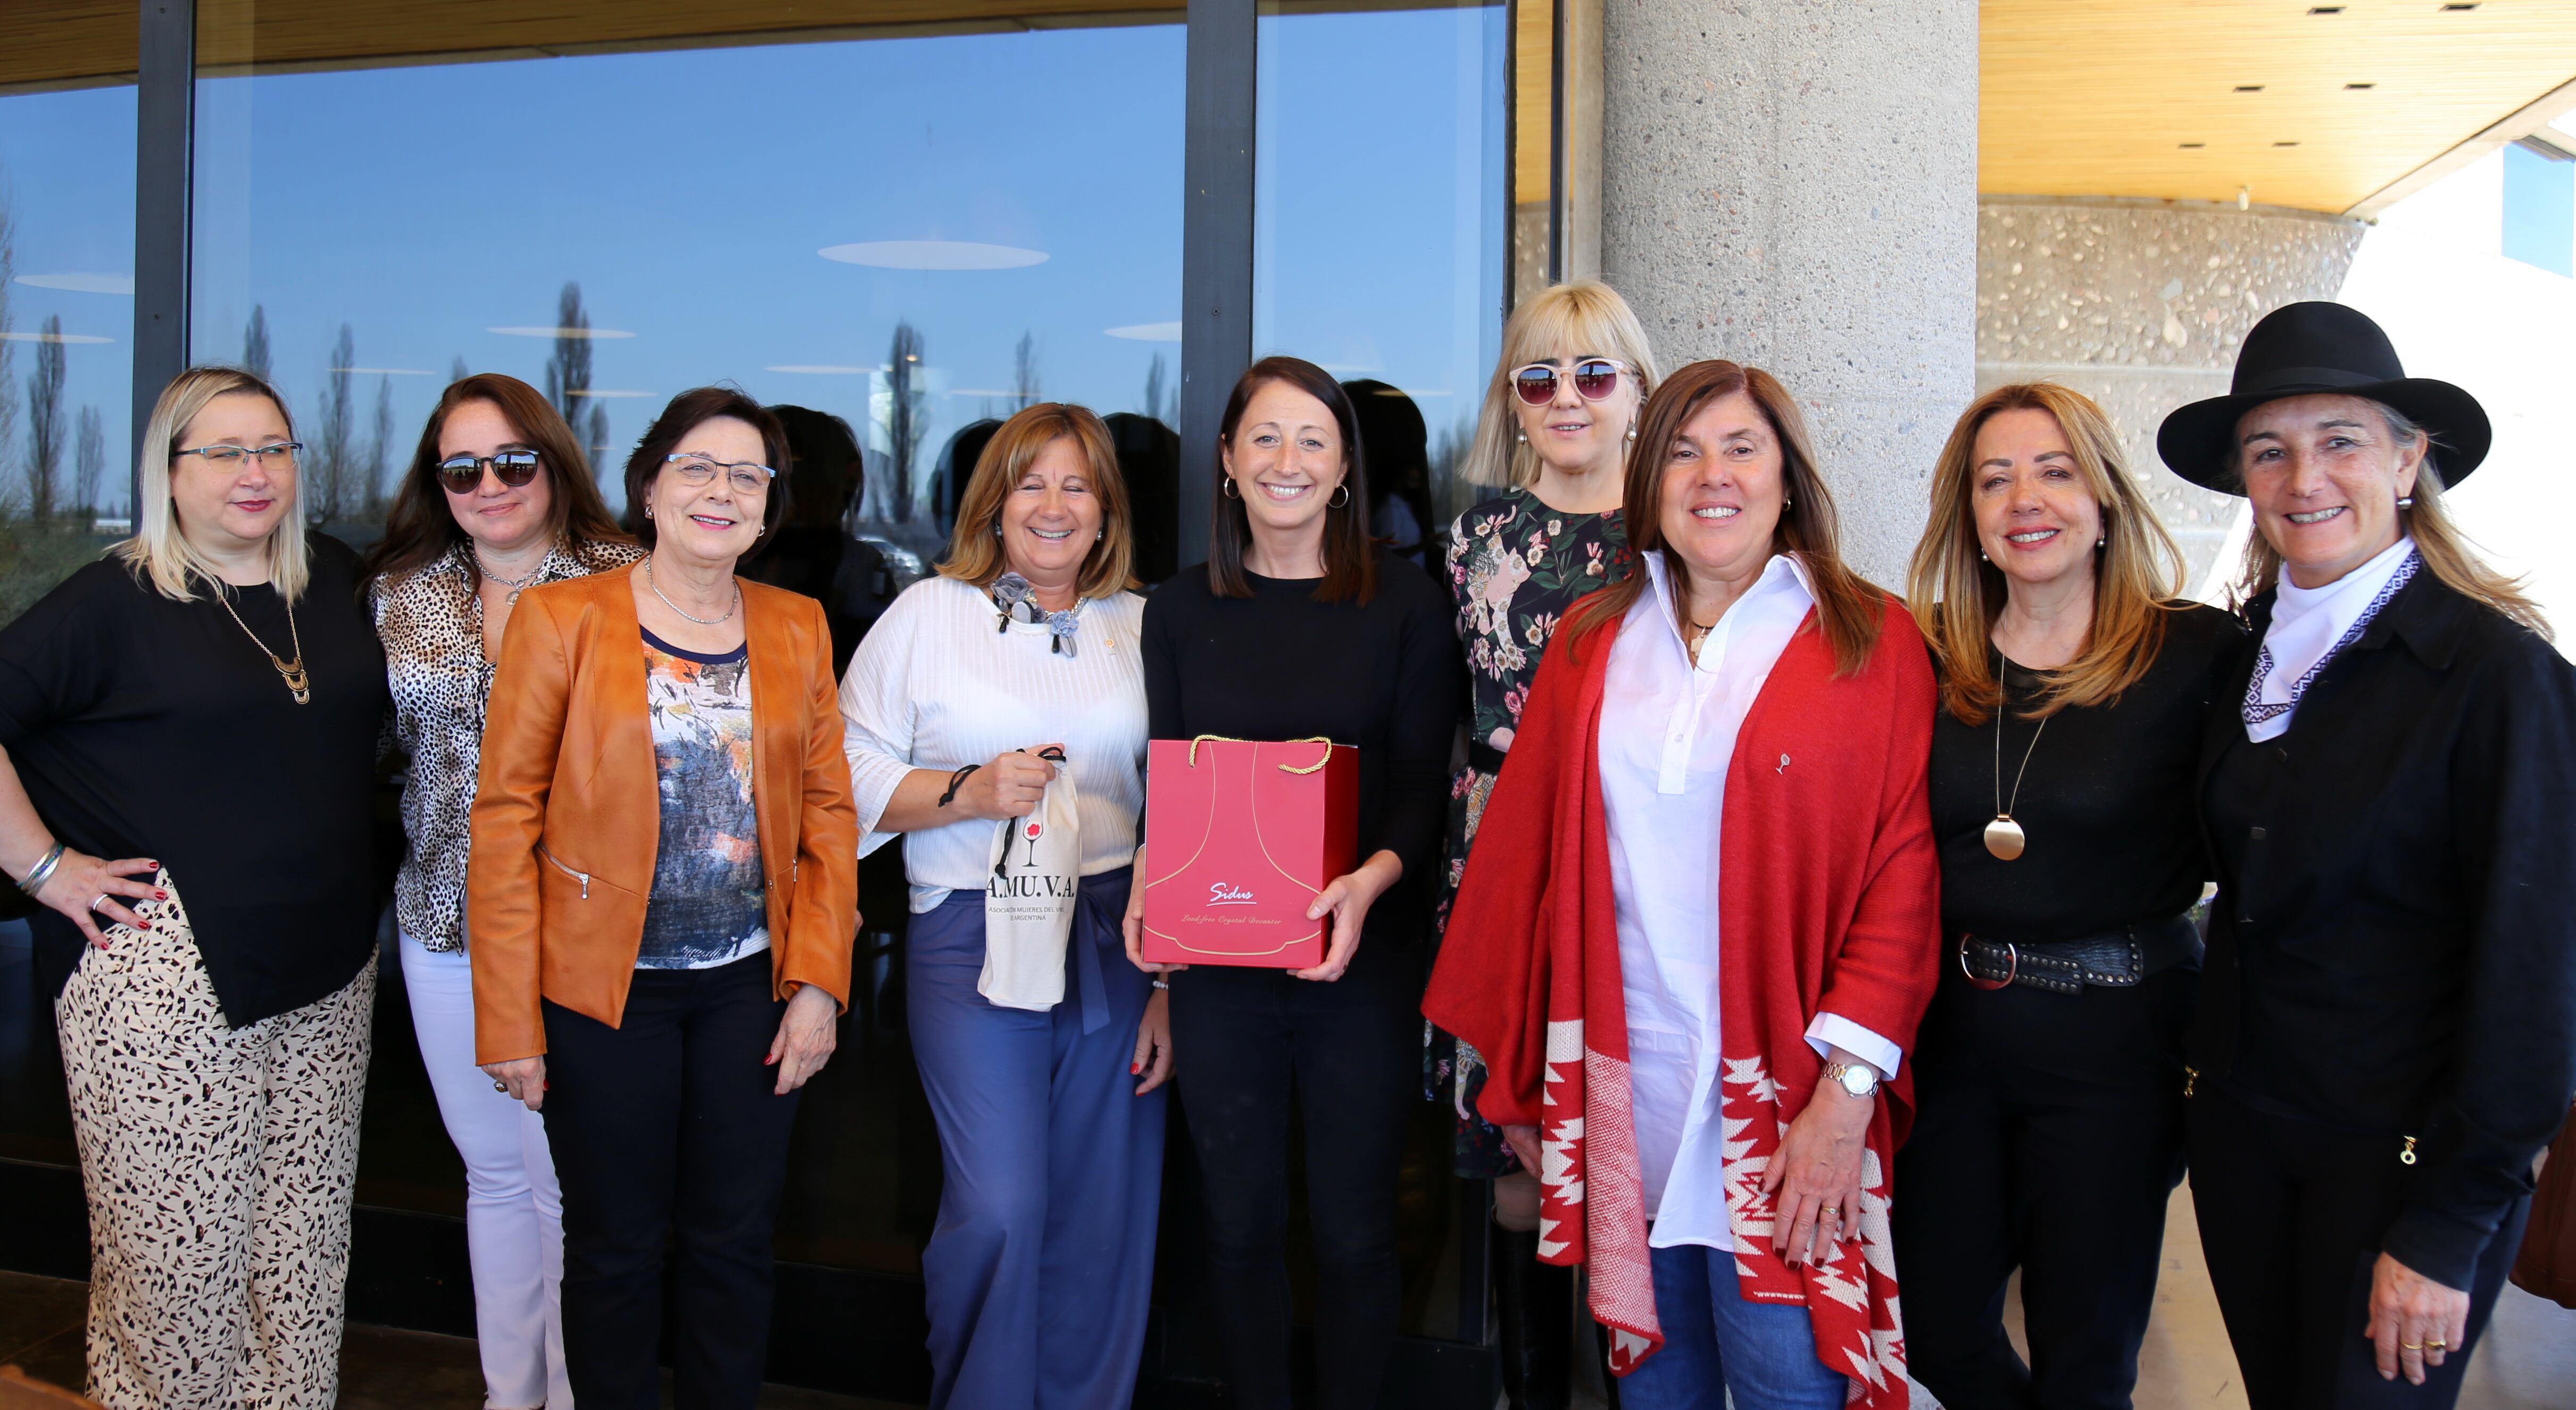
100,904
2410,1346
2437,1345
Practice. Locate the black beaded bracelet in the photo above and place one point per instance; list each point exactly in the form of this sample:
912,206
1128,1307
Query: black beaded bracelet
954,781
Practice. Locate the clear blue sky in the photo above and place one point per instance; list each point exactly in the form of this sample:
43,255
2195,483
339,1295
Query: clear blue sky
689,193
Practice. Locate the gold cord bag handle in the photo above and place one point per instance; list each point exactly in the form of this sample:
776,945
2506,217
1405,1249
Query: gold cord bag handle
1283,768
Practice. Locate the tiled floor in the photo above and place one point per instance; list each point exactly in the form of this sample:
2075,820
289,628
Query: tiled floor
380,1368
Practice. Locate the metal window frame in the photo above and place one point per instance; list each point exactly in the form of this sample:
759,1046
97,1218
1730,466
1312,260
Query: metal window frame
165,113
1222,111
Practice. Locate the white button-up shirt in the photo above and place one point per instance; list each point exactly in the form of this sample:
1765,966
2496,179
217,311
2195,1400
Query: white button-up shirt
1668,732
2308,624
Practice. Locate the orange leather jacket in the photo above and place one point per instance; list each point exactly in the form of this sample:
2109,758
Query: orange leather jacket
567,818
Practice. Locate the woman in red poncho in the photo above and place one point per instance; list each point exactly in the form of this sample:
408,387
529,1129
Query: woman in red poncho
1702,919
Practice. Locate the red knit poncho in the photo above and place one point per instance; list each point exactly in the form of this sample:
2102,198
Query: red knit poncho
1831,901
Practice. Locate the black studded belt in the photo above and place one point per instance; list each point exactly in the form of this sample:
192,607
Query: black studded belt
2112,959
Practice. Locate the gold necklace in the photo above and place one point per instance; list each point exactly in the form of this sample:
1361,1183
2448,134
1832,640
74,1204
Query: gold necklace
296,681
2004,837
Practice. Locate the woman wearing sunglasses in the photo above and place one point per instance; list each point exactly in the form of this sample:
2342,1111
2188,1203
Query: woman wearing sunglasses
498,499
661,927
198,710
1559,417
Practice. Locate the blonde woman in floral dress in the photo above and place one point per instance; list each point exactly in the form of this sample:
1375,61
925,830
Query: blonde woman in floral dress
1558,418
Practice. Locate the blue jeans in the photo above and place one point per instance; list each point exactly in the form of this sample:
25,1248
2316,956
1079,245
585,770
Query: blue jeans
1716,1342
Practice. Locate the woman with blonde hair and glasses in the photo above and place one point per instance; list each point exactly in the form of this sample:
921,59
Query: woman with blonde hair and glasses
1050,1118
2048,1072
216,1048
1559,417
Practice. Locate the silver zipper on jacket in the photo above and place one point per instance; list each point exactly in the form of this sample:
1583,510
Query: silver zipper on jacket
582,876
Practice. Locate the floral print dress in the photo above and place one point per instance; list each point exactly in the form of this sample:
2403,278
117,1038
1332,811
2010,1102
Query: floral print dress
1515,566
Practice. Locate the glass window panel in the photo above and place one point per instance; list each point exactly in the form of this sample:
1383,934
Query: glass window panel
66,328
1383,188
913,230
2540,209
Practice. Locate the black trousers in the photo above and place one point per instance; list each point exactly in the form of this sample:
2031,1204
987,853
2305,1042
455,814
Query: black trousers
1350,1053
2047,1136
2291,1215
666,1131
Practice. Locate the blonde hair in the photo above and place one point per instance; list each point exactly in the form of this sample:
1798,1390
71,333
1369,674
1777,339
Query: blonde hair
1586,315
975,549
1957,595
2445,550
160,549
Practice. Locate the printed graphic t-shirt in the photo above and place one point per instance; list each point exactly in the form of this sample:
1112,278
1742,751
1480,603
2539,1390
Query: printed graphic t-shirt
708,906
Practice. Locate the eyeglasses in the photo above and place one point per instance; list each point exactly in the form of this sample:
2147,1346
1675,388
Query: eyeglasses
1595,378
745,476
463,474
277,455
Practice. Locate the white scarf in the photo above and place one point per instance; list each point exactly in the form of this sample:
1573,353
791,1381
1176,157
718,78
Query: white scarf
2310,626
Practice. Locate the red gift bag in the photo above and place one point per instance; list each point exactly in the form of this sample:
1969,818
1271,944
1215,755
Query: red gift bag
1240,835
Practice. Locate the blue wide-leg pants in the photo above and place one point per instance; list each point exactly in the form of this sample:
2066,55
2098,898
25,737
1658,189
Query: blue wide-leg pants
1038,1272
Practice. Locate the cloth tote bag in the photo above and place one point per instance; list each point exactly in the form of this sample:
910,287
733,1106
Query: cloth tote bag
1028,898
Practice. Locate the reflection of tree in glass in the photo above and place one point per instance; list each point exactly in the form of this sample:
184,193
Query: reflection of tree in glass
595,436
1024,372
380,445
568,371
1157,391
331,483
457,371
907,418
89,462
8,350
255,343
45,426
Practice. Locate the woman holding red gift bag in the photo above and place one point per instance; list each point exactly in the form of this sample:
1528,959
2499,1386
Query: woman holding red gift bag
1022,652
1702,920
1299,627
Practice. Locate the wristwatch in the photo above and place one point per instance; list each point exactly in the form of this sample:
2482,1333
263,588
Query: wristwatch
1858,1078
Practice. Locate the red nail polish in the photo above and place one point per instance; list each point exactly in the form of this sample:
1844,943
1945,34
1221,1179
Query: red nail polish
1135,1067
160,895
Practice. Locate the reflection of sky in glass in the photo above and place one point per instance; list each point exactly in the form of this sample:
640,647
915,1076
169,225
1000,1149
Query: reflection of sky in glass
67,182
689,194
1380,198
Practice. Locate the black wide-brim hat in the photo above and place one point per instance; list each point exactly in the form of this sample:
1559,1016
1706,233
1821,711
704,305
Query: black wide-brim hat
2307,348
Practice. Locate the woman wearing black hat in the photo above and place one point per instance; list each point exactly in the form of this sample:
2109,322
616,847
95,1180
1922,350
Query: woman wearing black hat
2386,1034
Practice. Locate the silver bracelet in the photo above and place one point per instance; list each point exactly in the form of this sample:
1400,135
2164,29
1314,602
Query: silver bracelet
1162,984
42,872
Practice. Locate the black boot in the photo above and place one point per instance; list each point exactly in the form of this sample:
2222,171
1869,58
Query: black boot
1534,1306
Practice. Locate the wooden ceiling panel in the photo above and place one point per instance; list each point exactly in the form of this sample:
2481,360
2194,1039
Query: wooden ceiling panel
2102,97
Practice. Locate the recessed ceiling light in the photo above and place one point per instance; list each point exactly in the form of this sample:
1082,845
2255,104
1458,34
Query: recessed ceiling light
2355,87
2193,146
1148,332
933,254
22,336
384,371
81,283
2455,8
2325,9
2249,88
561,332
2285,144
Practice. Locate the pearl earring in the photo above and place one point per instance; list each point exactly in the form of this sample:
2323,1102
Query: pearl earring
997,528
1982,558
2406,502
648,511
1521,436
1632,431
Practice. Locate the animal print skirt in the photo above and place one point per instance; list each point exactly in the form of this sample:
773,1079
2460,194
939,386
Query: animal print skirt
219,1163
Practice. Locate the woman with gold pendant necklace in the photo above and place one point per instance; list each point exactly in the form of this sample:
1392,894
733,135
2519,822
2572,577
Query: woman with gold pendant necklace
2049,1069
199,710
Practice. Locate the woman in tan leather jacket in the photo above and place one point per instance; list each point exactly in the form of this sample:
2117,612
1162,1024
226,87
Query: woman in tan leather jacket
663,887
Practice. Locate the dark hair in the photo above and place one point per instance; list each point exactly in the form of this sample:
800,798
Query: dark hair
1848,608
1350,559
824,465
420,527
687,412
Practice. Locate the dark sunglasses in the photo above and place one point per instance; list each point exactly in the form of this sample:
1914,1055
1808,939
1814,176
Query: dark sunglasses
1595,378
463,474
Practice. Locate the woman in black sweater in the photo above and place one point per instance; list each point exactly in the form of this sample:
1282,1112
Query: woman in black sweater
2048,1074
2386,1036
197,715
1299,626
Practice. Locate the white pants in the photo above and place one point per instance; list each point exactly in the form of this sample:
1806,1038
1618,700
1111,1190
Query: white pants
513,1208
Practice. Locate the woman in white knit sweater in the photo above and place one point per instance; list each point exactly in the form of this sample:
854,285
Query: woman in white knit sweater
1050,1121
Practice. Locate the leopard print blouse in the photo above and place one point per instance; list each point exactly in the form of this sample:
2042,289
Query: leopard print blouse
431,623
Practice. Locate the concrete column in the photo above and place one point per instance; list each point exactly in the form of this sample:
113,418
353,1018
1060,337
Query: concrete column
2140,305
1794,186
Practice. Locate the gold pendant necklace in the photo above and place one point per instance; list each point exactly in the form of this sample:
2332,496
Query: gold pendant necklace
2004,837
297,683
